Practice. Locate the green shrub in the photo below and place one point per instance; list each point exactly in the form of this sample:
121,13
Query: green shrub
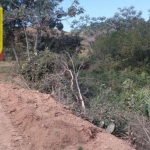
80,148
46,73
38,66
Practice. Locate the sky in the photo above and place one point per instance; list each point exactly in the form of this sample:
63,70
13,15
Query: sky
107,8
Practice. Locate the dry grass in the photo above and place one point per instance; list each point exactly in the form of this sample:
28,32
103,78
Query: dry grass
8,70
139,134
9,73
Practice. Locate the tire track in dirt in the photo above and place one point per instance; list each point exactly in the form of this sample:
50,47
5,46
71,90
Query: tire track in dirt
8,135
7,132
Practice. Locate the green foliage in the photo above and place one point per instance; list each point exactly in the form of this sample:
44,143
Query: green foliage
126,48
137,100
105,108
8,54
114,80
46,73
80,148
62,43
38,66
40,15
116,95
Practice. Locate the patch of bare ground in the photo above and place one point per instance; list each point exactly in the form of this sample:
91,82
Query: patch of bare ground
41,123
8,71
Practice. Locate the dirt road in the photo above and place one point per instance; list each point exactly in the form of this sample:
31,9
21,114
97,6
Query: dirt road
9,137
7,132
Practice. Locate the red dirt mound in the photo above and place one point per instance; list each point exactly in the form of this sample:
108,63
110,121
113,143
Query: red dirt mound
41,123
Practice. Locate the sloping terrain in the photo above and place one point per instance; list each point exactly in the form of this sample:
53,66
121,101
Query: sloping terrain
31,120
41,123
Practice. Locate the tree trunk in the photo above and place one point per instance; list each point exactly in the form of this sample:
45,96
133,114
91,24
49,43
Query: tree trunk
12,46
27,43
79,93
36,41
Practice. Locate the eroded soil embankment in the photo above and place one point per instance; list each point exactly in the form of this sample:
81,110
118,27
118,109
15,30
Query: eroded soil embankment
31,120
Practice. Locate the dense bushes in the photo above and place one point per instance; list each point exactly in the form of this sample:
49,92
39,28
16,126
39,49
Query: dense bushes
114,80
126,48
121,61
38,66
62,42
46,73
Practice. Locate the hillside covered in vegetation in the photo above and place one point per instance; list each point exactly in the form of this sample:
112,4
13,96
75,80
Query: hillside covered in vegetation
101,69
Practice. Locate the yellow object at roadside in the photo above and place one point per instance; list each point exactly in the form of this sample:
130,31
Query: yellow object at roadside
1,29
1,33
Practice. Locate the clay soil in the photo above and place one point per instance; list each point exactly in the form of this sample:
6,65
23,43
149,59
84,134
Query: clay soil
30,120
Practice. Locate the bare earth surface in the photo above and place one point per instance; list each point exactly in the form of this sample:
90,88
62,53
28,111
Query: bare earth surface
30,120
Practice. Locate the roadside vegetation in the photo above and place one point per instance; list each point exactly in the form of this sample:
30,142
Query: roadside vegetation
109,86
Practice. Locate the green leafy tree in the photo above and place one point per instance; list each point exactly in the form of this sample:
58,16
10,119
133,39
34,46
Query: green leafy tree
40,15
92,27
126,18
126,47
